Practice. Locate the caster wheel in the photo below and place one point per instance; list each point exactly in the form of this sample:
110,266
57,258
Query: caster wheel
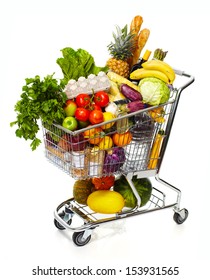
58,225
79,240
180,219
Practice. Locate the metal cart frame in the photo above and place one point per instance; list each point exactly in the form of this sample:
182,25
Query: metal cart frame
64,213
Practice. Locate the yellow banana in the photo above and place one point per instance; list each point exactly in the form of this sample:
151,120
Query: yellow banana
144,73
160,66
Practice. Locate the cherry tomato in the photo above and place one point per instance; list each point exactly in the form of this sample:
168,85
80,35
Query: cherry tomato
96,116
83,100
101,98
82,114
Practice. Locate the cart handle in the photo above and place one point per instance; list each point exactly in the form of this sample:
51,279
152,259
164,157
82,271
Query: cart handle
172,115
189,82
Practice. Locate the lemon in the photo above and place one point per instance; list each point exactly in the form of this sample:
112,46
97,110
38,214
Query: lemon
105,143
108,116
105,202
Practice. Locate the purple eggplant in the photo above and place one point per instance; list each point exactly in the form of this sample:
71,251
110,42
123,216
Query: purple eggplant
132,106
130,93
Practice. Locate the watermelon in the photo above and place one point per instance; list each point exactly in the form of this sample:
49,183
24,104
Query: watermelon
142,185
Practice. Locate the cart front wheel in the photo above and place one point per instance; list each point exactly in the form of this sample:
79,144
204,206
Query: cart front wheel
79,239
181,217
58,225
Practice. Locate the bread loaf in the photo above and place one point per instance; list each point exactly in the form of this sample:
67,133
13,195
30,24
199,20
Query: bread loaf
135,25
142,39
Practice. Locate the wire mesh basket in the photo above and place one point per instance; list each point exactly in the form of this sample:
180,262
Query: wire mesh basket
123,145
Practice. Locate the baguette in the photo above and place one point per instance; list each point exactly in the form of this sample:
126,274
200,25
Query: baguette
142,40
135,27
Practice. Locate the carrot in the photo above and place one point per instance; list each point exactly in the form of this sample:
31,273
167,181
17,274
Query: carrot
156,147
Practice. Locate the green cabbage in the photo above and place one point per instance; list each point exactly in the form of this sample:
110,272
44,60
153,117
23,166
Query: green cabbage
154,91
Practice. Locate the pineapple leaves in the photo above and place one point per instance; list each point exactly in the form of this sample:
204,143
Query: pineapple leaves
123,46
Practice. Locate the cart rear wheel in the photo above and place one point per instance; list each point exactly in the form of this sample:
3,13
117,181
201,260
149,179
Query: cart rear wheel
181,218
79,240
58,225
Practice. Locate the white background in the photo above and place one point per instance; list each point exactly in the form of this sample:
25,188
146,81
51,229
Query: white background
32,35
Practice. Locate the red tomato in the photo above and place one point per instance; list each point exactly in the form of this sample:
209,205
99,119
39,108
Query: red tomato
82,114
96,116
101,98
83,100
93,106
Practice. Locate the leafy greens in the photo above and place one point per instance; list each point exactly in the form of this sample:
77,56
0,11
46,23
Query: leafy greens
41,99
75,64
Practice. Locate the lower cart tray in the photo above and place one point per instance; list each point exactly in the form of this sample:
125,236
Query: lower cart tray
82,220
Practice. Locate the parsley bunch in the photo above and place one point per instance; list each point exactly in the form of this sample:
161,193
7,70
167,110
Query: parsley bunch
40,100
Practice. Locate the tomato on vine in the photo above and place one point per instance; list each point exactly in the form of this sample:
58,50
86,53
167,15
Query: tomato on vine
101,98
83,100
82,114
93,106
96,116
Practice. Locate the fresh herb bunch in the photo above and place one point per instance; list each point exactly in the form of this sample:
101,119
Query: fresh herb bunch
40,100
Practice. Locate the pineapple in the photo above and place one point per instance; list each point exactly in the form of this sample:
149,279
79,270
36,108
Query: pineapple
121,50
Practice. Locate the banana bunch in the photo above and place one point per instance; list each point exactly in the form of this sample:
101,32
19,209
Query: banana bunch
155,68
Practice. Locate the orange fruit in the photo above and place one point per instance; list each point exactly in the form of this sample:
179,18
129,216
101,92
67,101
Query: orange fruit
94,135
122,139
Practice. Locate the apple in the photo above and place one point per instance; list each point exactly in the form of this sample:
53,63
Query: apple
72,143
70,123
78,142
70,108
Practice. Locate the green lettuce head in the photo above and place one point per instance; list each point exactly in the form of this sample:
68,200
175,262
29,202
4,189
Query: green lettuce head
154,91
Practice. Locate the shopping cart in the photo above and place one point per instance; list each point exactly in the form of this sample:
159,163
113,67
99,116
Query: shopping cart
78,157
